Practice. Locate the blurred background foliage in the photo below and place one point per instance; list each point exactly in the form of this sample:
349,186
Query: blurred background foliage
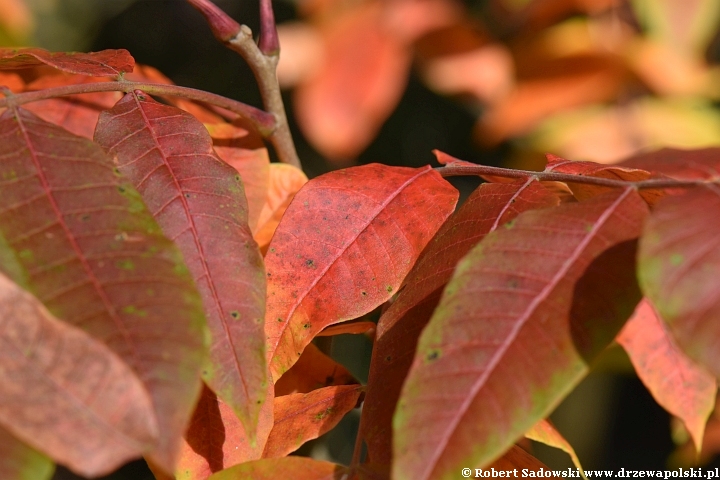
498,82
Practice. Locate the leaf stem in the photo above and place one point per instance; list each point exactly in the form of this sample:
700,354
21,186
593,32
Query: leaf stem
464,168
264,121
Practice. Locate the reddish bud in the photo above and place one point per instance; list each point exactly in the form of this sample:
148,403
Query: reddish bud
268,41
223,27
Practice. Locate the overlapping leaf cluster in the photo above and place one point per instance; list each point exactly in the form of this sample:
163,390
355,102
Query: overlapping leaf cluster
161,283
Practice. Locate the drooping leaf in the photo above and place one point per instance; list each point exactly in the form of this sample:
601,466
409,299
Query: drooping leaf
216,439
678,261
513,333
313,370
106,63
21,462
66,393
199,202
85,245
302,468
545,432
591,169
347,328
678,384
677,163
300,417
344,246
488,207
285,181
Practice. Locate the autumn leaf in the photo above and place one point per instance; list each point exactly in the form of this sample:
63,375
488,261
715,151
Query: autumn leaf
199,202
347,328
82,241
216,439
678,163
98,413
545,432
300,417
19,461
518,458
677,264
302,468
106,63
515,330
344,246
313,370
284,182
680,386
488,207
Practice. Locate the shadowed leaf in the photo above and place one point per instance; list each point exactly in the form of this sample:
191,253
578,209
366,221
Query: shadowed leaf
677,384
347,328
514,331
313,370
66,393
199,202
678,262
285,181
344,246
275,468
106,63
20,462
488,207
518,458
216,439
300,417
85,245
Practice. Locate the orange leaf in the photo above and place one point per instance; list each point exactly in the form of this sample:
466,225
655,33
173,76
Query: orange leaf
285,181
347,327
300,417
313,370
545,432
276,468
682,387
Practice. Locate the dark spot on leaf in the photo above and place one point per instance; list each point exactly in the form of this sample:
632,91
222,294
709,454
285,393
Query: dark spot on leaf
389,288
364,294
280,319
121,189
235,314
85,218
307,325
432,356
187,195
388,359
513,200
309,263
237,178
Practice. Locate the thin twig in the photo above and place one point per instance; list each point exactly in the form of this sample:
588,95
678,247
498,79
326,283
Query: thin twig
263,121
451,170
263,64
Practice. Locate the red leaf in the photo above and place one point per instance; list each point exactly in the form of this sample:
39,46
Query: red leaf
285,181
680,386
76,113
592,169
67,394
300,417
518,458
344,246
514,331
678,262
347,328
313,370
487,208
302,468
88,249
199,202
18,461
216,439
680,164
106,63
342,107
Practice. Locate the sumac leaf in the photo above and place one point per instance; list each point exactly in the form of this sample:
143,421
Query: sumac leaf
313,370
302,468
106,63
487,208
199,202
513,333
344,246
85,245
285,181
347,328
545,432
18,461
680,386
66,393
300,417
677,163
678,262
216,439
518,458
